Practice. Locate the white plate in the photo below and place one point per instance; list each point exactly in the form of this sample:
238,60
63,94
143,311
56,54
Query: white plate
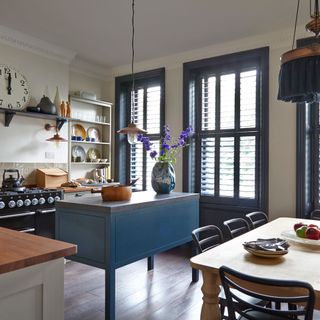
291,235
266,254
93,132
78,151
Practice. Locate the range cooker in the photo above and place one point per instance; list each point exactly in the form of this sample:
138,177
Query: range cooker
31,210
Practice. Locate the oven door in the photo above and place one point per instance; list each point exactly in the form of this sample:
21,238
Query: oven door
45,224
23,221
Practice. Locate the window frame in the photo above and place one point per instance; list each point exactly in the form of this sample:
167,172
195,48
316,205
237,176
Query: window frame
193,69
123,86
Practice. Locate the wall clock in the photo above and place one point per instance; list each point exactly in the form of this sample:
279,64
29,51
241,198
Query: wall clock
14,88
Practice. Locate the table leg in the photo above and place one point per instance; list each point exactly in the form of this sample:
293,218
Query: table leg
110,294
210,289
150,263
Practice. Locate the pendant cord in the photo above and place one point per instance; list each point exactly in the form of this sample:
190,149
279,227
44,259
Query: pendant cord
295,24
132,63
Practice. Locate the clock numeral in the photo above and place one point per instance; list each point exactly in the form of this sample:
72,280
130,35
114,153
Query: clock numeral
22,83
1,102
15,75
6,70
10,106
18,104
24,99
0,72
26,91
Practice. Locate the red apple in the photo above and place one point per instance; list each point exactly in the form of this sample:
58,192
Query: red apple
313,233
313,226
298,225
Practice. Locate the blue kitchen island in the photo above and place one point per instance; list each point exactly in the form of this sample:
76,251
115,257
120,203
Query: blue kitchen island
110,235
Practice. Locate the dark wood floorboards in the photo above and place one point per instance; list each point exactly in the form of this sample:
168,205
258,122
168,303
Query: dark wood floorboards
166,293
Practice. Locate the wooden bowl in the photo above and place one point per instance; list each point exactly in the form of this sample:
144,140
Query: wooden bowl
116,193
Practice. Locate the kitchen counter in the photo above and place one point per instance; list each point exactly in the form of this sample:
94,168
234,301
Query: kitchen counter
110,235
32,276
19,250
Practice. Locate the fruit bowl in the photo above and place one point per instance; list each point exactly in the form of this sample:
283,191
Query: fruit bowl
291,236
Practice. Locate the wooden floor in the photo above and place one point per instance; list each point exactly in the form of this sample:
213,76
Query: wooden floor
166,293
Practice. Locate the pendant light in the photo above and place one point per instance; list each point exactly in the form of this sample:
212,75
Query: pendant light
132,130
299,77
56,137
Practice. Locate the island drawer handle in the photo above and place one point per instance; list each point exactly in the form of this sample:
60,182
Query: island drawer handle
31,213
47,211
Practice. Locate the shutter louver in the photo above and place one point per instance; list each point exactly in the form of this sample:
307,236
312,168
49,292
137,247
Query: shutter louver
207,165
227,101
227,167
150,164
136,165
137,106
208,103
153,110
247,167
248,89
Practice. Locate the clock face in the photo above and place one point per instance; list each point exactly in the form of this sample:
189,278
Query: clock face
14,88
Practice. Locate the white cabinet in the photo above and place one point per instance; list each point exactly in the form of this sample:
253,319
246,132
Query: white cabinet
89,137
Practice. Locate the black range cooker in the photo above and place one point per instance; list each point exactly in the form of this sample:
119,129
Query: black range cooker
29,210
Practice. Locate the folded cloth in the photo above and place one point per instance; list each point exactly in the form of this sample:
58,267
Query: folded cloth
273,244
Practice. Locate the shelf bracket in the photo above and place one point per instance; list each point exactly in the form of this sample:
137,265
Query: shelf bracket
8,117
60,122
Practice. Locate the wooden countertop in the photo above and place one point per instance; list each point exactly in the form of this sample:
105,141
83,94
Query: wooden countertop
19,250
139,200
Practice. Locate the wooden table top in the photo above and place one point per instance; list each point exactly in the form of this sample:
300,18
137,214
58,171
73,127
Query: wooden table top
301,263
19,250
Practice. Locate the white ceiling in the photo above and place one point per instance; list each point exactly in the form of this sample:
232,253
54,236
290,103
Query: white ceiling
99,30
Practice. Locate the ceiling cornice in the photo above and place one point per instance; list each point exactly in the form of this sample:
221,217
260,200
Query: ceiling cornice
28,43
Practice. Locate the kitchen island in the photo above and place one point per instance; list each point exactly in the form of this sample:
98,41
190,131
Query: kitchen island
31,276
110,235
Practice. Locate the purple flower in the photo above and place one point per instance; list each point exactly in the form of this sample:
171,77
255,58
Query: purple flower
153,154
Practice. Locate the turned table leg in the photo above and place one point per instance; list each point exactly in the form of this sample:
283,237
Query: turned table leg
210,289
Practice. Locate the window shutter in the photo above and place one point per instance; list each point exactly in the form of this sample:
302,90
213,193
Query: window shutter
208,103
153,110
227,104
207,165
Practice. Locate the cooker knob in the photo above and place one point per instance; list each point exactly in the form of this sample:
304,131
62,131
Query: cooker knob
27,202
50,200
42,201
12,204
57,198
34,201
2,204
19,203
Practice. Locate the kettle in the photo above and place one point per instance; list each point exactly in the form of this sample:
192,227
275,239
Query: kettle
12,183
46,106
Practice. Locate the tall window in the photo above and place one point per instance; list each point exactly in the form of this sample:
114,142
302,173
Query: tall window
147,112
226,100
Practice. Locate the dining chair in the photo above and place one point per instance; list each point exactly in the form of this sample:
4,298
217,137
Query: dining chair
285,292
257,219
205,238
236,227
315,214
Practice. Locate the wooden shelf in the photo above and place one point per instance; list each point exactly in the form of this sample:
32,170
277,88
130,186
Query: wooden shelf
95,102
90,163
88,121
89,142
10,113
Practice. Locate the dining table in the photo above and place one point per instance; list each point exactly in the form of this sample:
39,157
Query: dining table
301,263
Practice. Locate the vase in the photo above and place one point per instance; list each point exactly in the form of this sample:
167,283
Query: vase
57,101
163,177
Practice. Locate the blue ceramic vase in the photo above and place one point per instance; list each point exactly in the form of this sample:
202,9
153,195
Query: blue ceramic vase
163,177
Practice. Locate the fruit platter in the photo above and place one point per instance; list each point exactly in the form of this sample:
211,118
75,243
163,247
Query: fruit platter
303,233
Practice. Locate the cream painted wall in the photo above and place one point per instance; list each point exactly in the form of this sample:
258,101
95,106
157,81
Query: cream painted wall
24,140
282,127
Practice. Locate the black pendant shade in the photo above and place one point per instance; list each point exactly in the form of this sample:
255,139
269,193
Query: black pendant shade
299,77
299,80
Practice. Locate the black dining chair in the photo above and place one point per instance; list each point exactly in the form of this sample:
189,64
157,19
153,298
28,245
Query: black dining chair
315,214
236,227
257,219
233,283
205,238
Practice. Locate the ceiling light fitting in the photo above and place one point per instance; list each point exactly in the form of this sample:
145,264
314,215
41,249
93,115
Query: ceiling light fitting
56,137
132,130
299,77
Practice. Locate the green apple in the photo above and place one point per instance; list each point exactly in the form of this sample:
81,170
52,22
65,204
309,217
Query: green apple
301,232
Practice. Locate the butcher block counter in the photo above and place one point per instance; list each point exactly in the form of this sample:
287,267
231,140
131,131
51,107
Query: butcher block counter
32,276
110,235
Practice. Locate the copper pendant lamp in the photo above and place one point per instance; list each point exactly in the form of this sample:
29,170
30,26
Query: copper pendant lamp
56,137
132,130
299,77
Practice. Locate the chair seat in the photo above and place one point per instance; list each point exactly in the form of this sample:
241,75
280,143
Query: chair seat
261,316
